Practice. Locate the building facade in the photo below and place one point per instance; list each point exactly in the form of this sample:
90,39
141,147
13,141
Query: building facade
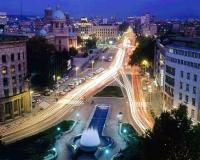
58,32
177,71
14,86
105,31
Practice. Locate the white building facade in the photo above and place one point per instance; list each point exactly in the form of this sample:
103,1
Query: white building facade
177,71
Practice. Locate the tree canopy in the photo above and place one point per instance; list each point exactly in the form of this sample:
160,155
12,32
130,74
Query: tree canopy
173,137
145,50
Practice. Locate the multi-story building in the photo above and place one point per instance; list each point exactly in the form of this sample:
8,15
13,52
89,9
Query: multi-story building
14,87
106,31
149,30
84,28
177,71
60,34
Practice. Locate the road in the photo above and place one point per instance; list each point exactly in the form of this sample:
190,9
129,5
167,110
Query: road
59,110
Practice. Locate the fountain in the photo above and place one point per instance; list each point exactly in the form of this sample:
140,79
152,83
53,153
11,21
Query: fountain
90,139
92,142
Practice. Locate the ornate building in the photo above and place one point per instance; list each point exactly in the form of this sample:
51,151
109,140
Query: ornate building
59,33
14,88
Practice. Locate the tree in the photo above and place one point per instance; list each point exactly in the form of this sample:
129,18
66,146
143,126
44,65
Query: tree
79,40
145,50
91,44
173,137
39,52
73,51
44,61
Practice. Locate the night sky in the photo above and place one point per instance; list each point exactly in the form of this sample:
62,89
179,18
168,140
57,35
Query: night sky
120,8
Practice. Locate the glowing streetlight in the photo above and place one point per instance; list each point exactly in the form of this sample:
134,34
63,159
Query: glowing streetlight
102,58
92,64
58,78
124,130
76,69
145,63
107,151
58,129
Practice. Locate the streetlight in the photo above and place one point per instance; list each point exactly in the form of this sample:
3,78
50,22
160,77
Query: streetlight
78,115
145,63
76,69
102,58
124,130
107,153
31,99
58,129
92,64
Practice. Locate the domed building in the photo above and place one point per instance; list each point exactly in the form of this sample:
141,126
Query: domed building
60,34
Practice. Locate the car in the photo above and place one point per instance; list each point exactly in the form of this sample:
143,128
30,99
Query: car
61,93
66,90
83,80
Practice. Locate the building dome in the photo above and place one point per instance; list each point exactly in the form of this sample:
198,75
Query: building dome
42,32
58,15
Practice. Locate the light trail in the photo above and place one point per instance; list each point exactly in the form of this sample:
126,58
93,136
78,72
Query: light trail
55,113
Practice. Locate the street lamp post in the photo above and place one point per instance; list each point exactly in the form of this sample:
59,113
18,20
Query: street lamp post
102,58
76,69
92,65
31,97
107,154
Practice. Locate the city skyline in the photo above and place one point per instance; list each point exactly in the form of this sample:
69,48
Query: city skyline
102,8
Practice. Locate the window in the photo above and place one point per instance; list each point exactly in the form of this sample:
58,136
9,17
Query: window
14,90
188,76
14,81
4,58
20,78
194,90
4,70
193,101
23,55
12,69
186,99
195,77
19,67
187,87
169,80
180,96
181,85
8,108
18,56
12,57
192,113
170,70
6,92
181,74
5,82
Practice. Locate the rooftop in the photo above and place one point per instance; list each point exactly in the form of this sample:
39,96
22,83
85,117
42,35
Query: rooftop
12,38
183,42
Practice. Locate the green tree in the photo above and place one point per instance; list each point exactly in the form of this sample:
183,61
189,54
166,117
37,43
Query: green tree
91,44
173,137
39,53
73,51
145,50
44,61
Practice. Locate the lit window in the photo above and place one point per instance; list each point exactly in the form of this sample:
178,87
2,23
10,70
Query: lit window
4,70
12,69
